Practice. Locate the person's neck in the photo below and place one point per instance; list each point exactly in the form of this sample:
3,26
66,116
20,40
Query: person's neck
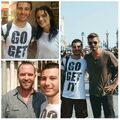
97,53
20,24
46,29
76,57
25,93
53,99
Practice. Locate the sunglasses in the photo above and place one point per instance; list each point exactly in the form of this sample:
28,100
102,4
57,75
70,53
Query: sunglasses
90,43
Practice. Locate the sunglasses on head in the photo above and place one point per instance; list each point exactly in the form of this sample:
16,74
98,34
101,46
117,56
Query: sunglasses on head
90,43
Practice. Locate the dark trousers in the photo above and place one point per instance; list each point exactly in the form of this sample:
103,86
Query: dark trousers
105,101
79,105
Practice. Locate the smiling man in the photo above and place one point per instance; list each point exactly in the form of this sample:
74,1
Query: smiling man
49,84
73,84
24,101
16,35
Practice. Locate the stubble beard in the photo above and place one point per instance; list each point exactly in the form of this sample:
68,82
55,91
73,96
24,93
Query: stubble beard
26,88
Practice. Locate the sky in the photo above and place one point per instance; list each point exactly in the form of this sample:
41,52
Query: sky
90,16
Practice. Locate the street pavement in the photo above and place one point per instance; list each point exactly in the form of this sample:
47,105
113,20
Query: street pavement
90,115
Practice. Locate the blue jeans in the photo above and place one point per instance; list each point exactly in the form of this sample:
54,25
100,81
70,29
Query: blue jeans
105,101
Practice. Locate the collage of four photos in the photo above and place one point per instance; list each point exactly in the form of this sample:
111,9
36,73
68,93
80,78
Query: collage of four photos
59,59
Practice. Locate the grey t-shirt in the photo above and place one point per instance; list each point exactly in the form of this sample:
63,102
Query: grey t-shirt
98,70
13,105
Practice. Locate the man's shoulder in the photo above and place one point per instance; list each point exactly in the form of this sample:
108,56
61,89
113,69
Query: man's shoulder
87,55
8,24
31,26
10,93
4,28
39,95
83,59
4,25
66,57
107,53
28,24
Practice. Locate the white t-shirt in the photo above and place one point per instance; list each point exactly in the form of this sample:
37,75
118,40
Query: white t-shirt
17,41
50,111
47,49
74,85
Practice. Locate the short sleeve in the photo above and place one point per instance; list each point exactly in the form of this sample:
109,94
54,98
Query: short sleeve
63,63
3,31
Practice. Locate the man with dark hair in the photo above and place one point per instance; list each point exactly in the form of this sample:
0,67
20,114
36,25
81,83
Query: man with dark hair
24,101
73,84
16,35
49,83
98,64
30,3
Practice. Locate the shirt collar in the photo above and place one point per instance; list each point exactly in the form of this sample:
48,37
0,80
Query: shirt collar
15,92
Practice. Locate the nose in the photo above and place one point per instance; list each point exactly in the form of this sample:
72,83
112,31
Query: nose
26,76
22,11
40,18
47,82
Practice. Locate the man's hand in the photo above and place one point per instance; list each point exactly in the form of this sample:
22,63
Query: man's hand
110,88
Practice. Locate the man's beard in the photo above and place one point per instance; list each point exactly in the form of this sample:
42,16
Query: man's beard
77,53
28,88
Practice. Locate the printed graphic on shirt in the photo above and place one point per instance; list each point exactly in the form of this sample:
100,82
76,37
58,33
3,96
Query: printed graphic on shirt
18,45
73,77
74,85
48,114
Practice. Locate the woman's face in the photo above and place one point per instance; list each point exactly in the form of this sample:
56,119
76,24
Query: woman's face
43,19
